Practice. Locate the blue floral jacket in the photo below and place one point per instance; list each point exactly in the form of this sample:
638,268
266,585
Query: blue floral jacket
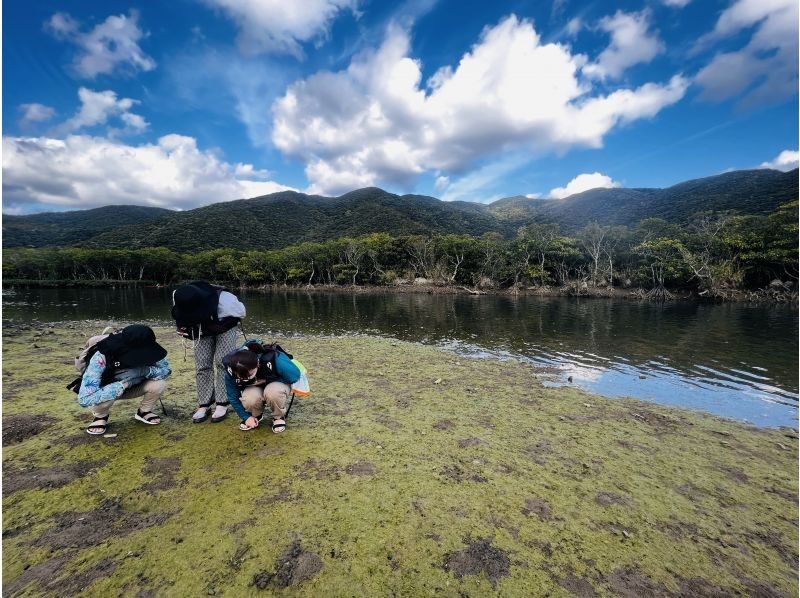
92,393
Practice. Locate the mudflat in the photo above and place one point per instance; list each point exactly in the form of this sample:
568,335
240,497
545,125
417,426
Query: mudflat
410,471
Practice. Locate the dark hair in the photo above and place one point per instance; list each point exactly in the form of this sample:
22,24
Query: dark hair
242,362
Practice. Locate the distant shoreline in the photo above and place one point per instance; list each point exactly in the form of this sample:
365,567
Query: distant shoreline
765,295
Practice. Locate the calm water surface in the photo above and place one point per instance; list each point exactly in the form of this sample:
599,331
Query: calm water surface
735,360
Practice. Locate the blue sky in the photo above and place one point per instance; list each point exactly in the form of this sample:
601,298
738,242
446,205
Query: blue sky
185,103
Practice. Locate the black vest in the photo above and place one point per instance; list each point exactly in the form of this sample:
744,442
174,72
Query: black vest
267,369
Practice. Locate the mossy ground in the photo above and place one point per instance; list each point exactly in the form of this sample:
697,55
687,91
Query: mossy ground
387,483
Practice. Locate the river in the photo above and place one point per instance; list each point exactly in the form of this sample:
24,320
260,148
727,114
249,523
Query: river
735,360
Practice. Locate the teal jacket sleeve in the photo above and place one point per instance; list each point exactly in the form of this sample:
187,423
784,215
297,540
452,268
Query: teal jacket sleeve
234,397
287,370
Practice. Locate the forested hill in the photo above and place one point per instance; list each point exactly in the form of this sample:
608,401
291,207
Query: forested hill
55,229
287,218
743,191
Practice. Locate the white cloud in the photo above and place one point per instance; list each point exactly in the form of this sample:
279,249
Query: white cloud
377,122
632,43
584,182
97,107
533,195
676,3
574,26
764,70
785,161
35,113
441,183
278,26
478,185
84,172
221,81
113,45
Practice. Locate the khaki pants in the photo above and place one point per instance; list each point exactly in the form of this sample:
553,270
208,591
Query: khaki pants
274,394
151,389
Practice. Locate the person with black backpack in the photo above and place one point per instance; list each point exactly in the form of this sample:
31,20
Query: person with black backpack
207,315
123,365
259,375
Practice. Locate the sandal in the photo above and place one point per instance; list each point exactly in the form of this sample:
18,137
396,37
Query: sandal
206,412
95,424
147,417
278,426
245,428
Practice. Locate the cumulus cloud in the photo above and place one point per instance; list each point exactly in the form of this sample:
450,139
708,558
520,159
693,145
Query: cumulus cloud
35,113
765,69
97,107
277,26
84,172
376,121
676,3
632,43
111,46
584,182
785,161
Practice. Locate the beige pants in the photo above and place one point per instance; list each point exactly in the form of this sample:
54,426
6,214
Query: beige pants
151,389
274,394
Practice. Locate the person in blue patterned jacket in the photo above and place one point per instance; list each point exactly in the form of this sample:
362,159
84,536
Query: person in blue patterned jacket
127,364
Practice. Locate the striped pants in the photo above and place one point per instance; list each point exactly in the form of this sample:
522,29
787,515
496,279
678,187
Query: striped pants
208,354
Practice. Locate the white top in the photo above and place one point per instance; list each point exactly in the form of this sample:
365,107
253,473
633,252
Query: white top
229,305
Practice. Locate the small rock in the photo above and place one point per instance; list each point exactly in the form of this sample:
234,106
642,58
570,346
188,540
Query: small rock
212,592
437,381
569,379
379,447
783,447
588,405
642,376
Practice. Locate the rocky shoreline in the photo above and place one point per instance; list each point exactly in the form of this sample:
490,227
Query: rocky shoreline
411,470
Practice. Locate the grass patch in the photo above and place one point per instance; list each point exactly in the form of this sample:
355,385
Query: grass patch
410,471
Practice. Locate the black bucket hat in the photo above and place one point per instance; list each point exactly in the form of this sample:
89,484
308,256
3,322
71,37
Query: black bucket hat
194,302
133,346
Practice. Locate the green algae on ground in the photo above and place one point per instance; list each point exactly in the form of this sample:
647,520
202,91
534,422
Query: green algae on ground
388,483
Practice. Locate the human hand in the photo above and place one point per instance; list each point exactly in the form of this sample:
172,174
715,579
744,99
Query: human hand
251,422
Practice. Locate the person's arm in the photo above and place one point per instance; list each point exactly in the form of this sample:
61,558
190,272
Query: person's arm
234,397
229,306
159,370
287,370
91,392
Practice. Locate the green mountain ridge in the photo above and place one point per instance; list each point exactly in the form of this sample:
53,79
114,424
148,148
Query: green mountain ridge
289,217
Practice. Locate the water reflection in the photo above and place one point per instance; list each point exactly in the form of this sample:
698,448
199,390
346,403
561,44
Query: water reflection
731,359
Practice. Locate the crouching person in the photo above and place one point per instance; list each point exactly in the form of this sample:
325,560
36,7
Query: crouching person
125,365
258,375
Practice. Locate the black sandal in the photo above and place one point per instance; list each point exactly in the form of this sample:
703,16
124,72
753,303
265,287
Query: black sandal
147,417
94,424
